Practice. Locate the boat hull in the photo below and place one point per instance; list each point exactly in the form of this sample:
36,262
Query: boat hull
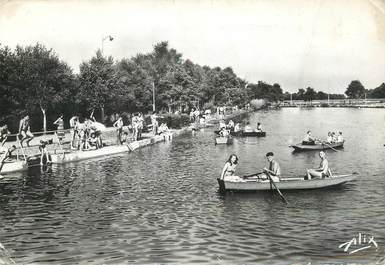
245,134
223,140
302,147
235,183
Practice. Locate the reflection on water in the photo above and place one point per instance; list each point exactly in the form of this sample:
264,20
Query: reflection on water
161,204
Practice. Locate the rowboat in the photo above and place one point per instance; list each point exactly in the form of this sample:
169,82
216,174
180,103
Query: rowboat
223,140
319,146
235,183
245,134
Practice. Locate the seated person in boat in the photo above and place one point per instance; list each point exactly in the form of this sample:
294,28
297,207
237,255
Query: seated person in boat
322,171
44,152
224,132
334,136
308,139
230,166
222,124
230,125
248,128
259,127
237,127
6,155
330,138
4,132
340,139
274,169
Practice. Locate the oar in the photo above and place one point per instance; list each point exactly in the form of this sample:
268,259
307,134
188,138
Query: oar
331,147
275,186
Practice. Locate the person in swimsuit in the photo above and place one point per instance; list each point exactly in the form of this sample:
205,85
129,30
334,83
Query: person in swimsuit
5,156
230,166
60,127
274,169
25,130
322,171
44,152
4,132
73,125
119,127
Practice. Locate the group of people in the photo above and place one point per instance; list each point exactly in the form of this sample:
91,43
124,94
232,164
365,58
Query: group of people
273,170
332,138
236,127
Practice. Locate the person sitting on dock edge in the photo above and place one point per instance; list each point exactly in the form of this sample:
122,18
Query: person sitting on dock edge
5,156
25,130
230,166
274,169
44,152
322,171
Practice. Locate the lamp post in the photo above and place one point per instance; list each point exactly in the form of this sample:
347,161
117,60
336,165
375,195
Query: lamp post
109,37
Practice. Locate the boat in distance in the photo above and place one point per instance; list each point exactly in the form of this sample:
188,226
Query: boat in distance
223,140
245,134
235,183
318,146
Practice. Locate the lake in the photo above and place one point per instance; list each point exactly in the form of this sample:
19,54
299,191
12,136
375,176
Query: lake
161,204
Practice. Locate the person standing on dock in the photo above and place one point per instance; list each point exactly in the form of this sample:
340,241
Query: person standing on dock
140,125
119,127
135,124
274,169
25,130
74,131
60,127
322,171
154,123
4,132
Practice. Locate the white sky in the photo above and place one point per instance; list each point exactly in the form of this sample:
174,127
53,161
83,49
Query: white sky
296,43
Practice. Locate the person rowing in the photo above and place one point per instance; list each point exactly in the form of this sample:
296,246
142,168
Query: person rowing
25,130
230,166
308,139
330,138
4,132
224,132
322,171
274,169
248,128
259,127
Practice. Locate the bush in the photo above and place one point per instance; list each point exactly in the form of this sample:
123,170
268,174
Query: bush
175,121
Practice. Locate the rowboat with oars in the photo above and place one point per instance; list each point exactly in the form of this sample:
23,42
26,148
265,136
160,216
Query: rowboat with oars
223,140
236,183
245,134
317,146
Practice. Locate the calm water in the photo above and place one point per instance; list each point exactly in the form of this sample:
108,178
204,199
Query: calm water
161,205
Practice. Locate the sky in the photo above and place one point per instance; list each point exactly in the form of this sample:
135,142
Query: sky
297,43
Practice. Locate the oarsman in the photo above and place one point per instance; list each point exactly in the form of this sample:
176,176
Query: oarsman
6,155
60,127
330,138
308,139
340,139
119,127
73,125
224,132
274,169
25,130
248,127
322,171
259,127
4,132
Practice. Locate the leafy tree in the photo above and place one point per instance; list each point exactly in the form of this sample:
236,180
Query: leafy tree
355,89
378,92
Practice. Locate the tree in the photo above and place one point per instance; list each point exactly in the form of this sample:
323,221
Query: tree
43,80
310,94
355,89
99,84
378,92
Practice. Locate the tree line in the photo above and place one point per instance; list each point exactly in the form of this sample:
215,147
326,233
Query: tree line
35,81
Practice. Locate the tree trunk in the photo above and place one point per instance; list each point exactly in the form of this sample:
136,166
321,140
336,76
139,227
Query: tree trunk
44,119
102,114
